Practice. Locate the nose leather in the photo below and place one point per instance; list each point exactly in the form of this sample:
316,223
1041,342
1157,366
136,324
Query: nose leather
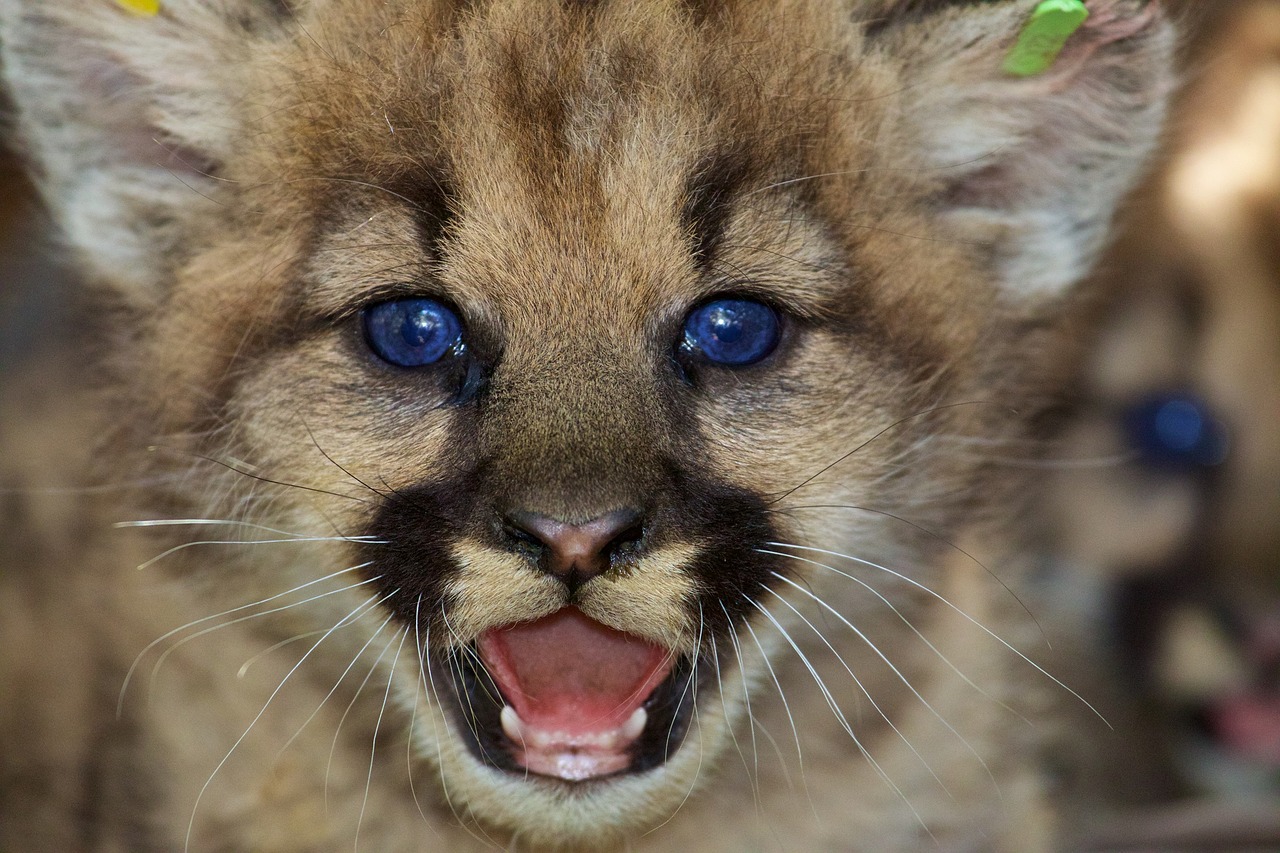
576,553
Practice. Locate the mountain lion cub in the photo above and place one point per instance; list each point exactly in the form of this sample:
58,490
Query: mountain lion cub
549,423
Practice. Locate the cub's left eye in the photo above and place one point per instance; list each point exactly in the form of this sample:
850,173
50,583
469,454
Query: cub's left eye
412,332
732,332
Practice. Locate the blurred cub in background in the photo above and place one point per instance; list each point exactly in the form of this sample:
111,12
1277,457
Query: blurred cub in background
1176,537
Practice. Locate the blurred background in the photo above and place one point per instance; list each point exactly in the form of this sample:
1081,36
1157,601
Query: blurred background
1169,517
1168,520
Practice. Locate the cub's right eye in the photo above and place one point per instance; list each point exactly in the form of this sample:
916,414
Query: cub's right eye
732,332
412,332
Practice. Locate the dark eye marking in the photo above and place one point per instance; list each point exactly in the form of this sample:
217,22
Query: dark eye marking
432,193
732,332
412,332
707,202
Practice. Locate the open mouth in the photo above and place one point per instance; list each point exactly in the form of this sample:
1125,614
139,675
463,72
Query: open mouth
569,698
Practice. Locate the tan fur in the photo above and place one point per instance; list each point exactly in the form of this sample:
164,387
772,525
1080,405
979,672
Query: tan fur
240,183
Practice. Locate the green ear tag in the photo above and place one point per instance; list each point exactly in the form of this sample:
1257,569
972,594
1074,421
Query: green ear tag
1044,36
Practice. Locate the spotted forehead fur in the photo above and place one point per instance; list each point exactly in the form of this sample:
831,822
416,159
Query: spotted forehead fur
568,131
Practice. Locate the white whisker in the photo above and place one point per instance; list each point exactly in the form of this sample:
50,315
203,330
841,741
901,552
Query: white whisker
786,706
419,690
341,678
733,735
953,607
227,522
289,541
839,714
373,750
444,782
692,689
129,675
164,656
955,669
186,845
337,733
247,665
746,697
861,687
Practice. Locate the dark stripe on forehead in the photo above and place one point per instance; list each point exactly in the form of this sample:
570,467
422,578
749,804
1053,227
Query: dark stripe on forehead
895,12
701,11
708,200
432,194
261,19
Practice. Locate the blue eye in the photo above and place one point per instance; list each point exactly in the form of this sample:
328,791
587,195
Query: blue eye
733,332
411,332
1176,432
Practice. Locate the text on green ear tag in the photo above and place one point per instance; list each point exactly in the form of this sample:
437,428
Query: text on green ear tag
1044,36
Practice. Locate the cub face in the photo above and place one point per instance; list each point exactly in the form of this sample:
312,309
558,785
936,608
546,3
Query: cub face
614,345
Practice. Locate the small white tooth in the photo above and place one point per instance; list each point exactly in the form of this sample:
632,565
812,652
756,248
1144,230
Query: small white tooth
511,724
634,725
600,740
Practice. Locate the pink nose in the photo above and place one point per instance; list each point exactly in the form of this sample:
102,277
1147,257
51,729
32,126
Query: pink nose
576,553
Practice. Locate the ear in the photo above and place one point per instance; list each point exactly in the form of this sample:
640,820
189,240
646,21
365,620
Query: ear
1033,167
127,119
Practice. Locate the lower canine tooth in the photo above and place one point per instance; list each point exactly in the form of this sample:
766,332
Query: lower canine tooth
634,725
511,724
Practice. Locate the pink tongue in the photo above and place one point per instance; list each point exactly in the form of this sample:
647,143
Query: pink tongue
568,673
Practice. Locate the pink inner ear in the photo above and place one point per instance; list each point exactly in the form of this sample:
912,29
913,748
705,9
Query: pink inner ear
1106,25
121,100
989,187
1003,179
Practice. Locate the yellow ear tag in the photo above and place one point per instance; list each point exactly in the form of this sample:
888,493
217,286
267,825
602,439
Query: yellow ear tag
148,8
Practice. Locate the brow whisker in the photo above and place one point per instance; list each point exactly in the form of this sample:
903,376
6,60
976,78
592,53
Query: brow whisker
899,422
235,469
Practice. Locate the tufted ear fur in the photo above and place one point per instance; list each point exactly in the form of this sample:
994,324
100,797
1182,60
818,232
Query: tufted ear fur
1032,167
127,118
